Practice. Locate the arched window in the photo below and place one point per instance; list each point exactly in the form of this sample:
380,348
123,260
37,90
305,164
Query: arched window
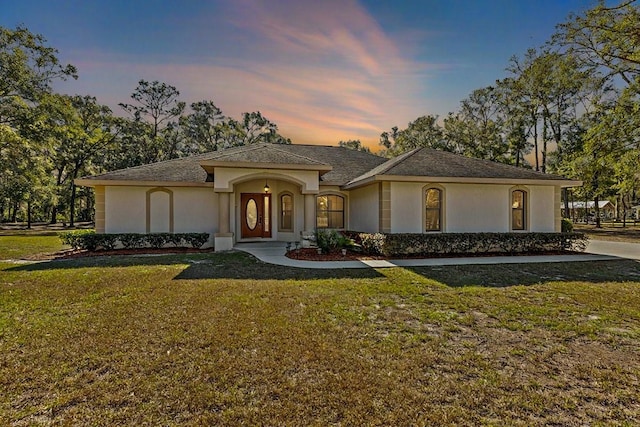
518,210
330,211
433,209
286,212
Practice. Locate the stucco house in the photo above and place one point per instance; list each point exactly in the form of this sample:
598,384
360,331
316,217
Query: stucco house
280,192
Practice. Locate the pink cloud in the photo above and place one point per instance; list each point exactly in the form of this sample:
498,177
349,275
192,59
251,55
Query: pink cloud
323,71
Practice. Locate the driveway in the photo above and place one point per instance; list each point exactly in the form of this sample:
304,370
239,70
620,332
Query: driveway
617,249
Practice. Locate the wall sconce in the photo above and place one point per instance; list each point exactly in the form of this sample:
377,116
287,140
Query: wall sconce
266,187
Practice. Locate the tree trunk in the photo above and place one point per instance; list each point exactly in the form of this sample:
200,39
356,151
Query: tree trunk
29,214
596,201
535,139
545,136
72,207
16,204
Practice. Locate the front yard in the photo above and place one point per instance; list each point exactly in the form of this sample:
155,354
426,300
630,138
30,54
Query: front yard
224,339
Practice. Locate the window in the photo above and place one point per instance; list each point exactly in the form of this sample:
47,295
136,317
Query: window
330,211
286,212
433,209
518,210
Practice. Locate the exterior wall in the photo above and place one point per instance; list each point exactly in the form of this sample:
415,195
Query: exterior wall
543,207
471,208
194,210
364,212
476,208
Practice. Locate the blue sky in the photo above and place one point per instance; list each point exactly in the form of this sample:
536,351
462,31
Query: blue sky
324,71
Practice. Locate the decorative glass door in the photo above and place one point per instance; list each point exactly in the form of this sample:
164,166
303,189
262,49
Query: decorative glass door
255,215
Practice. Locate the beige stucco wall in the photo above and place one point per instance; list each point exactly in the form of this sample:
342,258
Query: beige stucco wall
363,208
471,207
125,209
194,210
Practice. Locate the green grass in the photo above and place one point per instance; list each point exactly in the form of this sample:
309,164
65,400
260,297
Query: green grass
17,246
611,232
223,339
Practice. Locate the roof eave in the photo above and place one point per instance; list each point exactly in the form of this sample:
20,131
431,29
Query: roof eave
563,183
210,165
134,183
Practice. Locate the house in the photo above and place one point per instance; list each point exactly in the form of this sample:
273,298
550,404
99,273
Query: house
280,192
577,210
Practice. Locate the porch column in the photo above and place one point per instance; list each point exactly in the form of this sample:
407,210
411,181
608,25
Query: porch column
309,218
224,236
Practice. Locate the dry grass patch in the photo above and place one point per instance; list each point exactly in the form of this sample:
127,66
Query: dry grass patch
227,340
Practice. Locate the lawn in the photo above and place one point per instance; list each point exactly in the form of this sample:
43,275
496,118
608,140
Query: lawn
611,231
223,339
26,244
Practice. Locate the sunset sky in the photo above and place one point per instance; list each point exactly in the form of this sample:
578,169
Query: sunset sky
323,70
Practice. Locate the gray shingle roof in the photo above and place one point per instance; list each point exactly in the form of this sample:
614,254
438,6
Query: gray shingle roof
263,153
428,162
348,166
185,169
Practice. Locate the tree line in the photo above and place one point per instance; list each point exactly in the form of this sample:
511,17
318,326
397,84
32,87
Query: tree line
48,139
571,106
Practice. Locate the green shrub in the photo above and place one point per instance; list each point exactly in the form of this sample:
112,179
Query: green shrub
174,239
75,238
330,240
408,244
132,240
106,241
157,240
196,240
91,241
566,225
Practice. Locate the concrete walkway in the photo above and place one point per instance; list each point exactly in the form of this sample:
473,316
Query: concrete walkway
274,253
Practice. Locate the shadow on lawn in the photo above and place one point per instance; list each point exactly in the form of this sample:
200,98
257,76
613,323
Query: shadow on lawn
503,275
229,265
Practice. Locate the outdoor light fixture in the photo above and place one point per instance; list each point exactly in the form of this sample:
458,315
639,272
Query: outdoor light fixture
266,187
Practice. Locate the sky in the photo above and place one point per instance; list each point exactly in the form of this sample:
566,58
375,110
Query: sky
323,70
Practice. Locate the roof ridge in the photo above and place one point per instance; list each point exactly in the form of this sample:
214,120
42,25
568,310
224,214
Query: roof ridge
397,159
275,147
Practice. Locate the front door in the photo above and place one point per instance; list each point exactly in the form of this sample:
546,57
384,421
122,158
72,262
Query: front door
255,215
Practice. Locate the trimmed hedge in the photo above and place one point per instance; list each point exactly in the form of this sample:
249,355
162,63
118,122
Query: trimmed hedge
467,243
92,241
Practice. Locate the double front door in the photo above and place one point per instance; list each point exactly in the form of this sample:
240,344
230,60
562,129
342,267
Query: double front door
255,215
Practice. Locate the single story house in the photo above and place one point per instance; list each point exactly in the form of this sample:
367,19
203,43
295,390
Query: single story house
577,209
282,192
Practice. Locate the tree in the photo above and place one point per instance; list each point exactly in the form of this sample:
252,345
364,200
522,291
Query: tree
27,67
78,131
202,128
605,38
422,132
157,105
354,144
256,128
